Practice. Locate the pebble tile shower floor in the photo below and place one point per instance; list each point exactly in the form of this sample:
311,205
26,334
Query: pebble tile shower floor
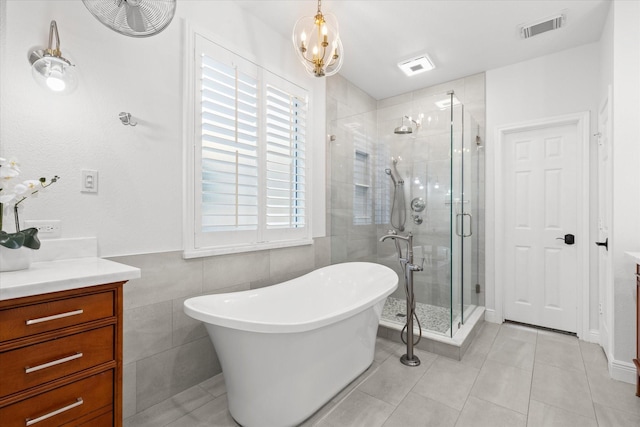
510,376
431,317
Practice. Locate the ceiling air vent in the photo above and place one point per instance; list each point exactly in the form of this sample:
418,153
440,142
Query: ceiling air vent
416,65
539,27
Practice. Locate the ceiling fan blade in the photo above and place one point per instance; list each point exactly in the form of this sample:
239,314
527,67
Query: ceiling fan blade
135,20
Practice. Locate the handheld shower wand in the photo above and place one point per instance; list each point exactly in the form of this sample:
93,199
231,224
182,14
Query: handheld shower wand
397,204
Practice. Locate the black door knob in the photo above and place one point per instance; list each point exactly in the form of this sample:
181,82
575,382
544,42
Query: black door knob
569,239
605,244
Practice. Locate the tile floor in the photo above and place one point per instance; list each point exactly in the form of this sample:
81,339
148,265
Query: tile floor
510,376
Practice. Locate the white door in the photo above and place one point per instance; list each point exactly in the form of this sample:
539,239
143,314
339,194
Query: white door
605,188
541,203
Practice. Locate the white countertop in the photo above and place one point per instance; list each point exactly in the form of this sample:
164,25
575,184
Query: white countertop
635,256
60,275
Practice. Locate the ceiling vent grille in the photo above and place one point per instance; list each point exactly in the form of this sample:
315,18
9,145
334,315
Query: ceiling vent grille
416,65
539,27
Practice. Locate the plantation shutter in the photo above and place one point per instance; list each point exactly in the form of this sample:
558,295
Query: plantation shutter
229,148
227,132
249,154
285,158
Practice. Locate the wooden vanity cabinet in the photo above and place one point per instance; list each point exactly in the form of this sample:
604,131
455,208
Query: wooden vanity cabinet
636,361
61,358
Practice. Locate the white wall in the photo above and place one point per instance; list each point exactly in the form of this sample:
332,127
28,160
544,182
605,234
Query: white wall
138,208
571,81
626,180
562,83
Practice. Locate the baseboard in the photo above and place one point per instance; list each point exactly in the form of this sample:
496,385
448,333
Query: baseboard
491,316
623,371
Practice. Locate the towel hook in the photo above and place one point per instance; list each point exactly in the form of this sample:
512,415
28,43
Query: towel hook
125,118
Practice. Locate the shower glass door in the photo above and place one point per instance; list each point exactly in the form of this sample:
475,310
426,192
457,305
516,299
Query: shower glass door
456,202
464,215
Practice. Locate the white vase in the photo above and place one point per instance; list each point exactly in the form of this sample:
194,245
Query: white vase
15,259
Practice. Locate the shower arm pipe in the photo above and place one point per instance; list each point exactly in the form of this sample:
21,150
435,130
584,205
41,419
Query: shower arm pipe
417,122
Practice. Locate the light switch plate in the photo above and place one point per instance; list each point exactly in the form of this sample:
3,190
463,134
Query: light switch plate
89,181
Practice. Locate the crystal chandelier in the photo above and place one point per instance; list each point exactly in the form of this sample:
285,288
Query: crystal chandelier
318,44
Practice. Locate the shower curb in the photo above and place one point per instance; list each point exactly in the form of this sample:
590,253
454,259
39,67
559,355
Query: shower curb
454,349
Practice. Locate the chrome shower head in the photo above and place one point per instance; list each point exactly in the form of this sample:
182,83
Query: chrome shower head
403,130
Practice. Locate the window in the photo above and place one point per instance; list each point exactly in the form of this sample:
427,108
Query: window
249,155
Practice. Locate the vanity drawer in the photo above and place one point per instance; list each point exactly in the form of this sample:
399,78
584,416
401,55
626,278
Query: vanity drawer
61,405
37,364
33,319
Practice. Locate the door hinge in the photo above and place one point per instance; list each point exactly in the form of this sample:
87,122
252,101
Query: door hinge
477,288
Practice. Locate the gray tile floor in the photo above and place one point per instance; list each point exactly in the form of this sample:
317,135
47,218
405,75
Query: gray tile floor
510,376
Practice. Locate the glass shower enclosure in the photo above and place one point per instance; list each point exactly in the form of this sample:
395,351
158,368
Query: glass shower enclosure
423,178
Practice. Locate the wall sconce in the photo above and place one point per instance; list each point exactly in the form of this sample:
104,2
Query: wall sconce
50,69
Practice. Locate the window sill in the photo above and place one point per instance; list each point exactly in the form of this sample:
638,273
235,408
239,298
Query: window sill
237,249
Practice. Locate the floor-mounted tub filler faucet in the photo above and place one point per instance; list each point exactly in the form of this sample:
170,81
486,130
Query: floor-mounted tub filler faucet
408,267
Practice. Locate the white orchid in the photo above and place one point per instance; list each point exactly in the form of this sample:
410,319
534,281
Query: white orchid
9,168
13,194
6,198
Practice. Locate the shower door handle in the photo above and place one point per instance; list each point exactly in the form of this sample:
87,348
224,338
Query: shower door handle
470,225
460,220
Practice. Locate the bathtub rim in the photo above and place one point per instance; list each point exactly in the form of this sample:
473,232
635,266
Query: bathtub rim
190,308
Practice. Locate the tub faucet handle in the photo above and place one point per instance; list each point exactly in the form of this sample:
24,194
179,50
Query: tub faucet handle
416,267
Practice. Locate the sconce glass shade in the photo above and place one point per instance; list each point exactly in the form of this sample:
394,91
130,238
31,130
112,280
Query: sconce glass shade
50,69
53,73
317,44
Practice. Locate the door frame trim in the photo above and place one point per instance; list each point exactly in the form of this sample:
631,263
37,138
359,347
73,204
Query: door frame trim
581,121
606,103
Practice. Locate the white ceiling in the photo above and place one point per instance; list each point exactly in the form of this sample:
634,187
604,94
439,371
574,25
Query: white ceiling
462,37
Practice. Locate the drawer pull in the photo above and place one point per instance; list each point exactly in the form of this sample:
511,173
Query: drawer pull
30,422
28,370
54,317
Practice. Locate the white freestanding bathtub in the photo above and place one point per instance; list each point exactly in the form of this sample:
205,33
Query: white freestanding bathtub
287,349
